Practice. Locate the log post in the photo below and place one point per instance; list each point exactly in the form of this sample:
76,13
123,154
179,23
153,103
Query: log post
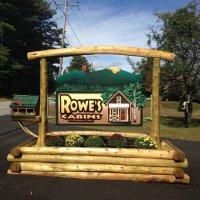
43,103
155,126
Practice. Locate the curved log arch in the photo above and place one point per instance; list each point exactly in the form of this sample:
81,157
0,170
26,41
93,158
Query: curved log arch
89,50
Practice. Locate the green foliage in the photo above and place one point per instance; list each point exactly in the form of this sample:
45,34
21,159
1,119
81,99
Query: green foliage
94,141
139,98
57,141
145,143
179,32
117,141
74,141
79,88
25,26
77,62
144,67
108,92
128,91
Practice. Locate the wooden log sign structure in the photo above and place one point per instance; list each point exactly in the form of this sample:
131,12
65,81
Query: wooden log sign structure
164,164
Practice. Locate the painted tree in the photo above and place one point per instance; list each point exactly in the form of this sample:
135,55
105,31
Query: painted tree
25,26
144,68
78,62
128,91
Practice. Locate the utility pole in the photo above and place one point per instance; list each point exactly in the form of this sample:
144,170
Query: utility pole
64,29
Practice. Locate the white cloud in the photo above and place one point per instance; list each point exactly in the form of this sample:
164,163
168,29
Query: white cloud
127,27
109,26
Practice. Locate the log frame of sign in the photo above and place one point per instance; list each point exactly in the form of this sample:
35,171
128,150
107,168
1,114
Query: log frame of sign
73,167
111,176
98,160
75,162
88,151
162,165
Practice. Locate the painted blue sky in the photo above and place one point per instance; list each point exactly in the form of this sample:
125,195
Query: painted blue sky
112,22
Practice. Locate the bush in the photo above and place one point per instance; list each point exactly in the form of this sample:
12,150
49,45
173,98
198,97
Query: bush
94,141
57,141
145,143
74,141
117,141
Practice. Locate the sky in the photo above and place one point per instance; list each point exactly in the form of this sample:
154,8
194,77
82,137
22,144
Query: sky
111,22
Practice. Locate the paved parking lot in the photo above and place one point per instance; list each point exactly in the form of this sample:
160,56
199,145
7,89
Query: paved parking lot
32,187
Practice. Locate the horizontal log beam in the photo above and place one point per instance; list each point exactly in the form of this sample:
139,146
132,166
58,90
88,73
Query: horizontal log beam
99,160
97,133
89,50
16,151
15,167
113,152
61,167
178,154
111,176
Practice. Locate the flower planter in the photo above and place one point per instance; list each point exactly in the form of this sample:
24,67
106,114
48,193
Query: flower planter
150,165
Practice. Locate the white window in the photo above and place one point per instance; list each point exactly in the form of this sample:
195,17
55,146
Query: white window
114,112
118,98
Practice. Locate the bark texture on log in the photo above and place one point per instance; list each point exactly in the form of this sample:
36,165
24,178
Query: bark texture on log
111,176
43,102
113,152
178,154
97,133
62,167
99,160
89,50
16,151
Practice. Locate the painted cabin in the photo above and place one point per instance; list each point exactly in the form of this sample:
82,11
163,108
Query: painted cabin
24,105
119,108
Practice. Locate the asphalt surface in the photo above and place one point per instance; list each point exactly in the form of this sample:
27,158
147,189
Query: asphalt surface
32,187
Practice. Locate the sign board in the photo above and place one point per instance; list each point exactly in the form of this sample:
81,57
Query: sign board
89,108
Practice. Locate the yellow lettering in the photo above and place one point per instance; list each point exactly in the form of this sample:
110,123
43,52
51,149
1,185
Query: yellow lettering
91,106
79,116
98,116
68,105
73,105
91,116
83,105
99,105
71,117
64,103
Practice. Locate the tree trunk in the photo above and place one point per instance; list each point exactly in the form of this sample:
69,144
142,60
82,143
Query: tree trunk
186,118
190,112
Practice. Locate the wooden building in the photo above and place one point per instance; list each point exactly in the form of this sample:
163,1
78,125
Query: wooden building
119,108
24,105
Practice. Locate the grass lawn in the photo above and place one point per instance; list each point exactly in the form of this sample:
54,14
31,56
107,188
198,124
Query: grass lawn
171,123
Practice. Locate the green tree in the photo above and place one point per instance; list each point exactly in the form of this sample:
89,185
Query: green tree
77,62
25,26
143,67
179,32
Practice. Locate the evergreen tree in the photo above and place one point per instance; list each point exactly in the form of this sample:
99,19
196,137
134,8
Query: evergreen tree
78,62
25,26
